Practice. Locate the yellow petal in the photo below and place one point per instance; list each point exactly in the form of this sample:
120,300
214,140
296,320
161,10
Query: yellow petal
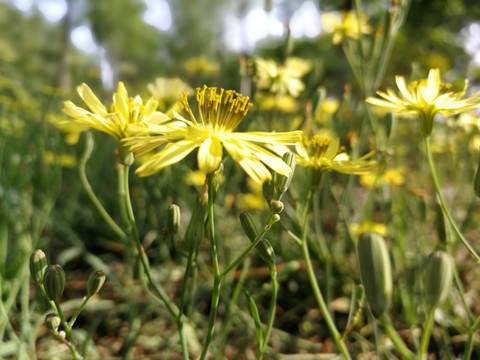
210,155
91,100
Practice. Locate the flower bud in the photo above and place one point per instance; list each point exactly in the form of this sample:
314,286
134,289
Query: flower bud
52,321
38,263
95,282
268,190
196,227
263,247
173,219
375,271
438,277
125,156
276,206
54,282
282,182
476,181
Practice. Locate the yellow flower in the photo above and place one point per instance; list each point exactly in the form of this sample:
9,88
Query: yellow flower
365,226
426,98
392,177
166,90
117,122
201,65
64,160
282,79
220,113
325,154
284,103
343,25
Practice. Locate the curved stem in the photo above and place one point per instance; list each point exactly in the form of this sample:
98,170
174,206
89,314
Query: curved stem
400,346
313,281
427,331
88,188
443,204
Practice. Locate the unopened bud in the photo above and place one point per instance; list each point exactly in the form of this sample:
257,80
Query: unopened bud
38,263
268,190
282,182
263,247
54,282
438,277
196,227
375,271
52,321
173,219
95,282
476,181
276,206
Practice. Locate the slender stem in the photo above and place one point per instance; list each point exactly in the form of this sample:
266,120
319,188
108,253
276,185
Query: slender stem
158,291
88,188
217,280
399,344
79,310
68,331
247,251
271,313
443,204
313,281
427,331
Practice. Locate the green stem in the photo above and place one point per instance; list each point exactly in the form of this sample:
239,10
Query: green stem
427,331
68,331
217,280
79,310
313,281
271,313
397,341
88,188
273,218
158,291
443,204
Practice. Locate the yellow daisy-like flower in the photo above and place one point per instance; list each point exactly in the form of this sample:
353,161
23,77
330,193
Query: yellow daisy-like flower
166,90
220,113
393,177
282,79
426,98
344,25
365,226
325,154
201,65
124,112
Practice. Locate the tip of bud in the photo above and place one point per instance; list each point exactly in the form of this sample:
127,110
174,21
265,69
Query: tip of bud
38,263
95,282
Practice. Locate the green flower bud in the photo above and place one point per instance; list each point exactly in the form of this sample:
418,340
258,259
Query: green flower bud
268,190
438,277
476,181
52,321
38,263
276,206
196,227
125,156
282,182
173,219
54,282
375,271
263,247
95,282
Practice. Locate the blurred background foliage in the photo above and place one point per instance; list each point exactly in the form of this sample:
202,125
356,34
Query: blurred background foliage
42,203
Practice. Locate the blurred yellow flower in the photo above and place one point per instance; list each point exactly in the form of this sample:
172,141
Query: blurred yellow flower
201,65
284,103
220,113
325,154
124,111
166,90
64,160
426,98
365,226
282,79
392,177
468,121
344,25
327,108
